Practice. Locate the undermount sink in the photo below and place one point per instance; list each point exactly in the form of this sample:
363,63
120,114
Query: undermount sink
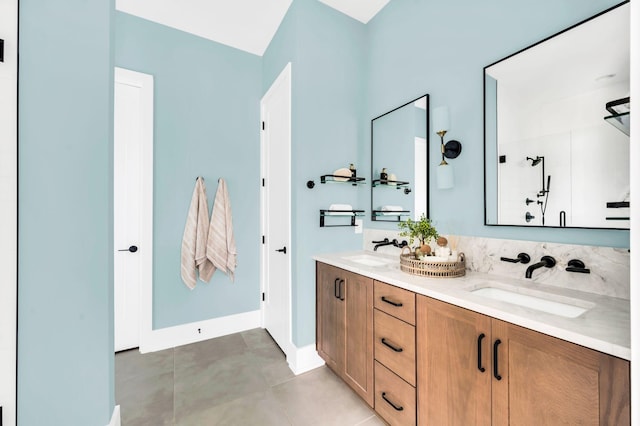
368,260
540,301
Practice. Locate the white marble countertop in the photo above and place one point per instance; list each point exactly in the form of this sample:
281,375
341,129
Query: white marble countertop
604,327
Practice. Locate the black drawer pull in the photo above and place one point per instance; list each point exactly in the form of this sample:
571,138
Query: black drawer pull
391,302
480,367
397,408
335,289
341,289
395,348
495,360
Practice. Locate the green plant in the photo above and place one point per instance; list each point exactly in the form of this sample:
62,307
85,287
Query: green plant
421,229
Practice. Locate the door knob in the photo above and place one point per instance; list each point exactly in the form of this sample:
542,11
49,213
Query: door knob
283,250
131,249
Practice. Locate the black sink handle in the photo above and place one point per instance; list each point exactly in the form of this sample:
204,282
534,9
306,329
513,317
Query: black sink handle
522,258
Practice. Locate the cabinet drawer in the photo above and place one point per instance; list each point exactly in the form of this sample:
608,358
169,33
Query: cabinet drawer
395,399
395,301
395,345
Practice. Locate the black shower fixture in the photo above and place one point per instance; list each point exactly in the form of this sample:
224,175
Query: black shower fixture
535,161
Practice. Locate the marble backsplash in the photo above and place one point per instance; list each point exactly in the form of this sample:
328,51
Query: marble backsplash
610,273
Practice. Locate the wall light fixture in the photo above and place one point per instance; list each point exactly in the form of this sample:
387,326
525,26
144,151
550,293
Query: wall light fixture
453,148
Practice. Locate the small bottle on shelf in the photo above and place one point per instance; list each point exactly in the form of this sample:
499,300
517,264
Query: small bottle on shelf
353,170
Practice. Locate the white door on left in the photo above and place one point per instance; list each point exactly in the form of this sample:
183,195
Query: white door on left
132,141
8,209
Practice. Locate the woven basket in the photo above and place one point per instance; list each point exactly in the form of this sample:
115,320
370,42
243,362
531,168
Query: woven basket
432,269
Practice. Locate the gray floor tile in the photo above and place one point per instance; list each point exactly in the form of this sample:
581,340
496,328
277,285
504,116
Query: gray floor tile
276,373
146,400
319,397
132,363
257,409
372,421
199,388
241,379
257,338
208,351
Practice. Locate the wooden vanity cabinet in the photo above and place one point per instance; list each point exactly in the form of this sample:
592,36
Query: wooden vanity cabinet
395,354
529,378
344,326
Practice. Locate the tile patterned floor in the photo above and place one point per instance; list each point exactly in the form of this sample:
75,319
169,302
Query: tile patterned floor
240,379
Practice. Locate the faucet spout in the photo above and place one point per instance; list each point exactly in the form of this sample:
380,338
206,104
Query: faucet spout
546,261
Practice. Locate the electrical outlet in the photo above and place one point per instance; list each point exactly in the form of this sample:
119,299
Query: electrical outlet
358,227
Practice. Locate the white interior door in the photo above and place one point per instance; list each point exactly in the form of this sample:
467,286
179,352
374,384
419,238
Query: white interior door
8,209
276,209
132,204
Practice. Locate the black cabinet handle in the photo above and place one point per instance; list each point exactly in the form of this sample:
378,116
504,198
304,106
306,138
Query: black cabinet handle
282,250
335,289
396,407
480,367
495,360
341,289
396,304
131,249
389,345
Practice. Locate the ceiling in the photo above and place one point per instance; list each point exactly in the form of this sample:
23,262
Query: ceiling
247,25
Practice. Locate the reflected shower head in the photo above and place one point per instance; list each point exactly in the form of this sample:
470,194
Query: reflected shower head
535,161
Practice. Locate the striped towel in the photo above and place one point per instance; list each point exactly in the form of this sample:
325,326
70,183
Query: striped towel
194,240
221,246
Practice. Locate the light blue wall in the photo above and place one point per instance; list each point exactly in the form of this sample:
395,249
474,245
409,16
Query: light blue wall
65,296
441,48
206,124
327,50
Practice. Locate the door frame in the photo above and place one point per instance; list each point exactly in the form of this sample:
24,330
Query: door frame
145,83
283,78
9,214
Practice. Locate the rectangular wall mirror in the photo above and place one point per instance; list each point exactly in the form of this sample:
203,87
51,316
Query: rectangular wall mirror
557,129
399,162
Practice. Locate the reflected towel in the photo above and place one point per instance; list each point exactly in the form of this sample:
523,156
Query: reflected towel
194,240
391,210
221,246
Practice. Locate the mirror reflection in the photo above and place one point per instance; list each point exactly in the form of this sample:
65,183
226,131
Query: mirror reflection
399,162
551,156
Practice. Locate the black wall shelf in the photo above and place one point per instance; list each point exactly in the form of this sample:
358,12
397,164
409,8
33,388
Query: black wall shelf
383,182
353,180
340,213
389,216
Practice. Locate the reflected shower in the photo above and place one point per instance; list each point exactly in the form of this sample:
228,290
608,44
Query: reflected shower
535,161
544,192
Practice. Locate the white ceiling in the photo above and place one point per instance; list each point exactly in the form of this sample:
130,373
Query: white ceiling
248,25
362,10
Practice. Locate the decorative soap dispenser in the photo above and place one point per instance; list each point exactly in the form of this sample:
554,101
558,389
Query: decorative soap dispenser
383,175
353,170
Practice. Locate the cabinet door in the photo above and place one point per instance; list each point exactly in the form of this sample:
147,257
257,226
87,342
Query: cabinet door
358,366
330,312
548,381
451,388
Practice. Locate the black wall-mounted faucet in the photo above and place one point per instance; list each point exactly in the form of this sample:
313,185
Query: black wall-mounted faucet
546,261
522,258
386,242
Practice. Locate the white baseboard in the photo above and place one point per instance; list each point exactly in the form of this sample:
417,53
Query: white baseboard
115,417
170,337
304,359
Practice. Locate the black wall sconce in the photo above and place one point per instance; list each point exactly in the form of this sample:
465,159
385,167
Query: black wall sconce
451,149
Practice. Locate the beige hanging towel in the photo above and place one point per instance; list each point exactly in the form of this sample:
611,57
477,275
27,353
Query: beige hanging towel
193,256
221,246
